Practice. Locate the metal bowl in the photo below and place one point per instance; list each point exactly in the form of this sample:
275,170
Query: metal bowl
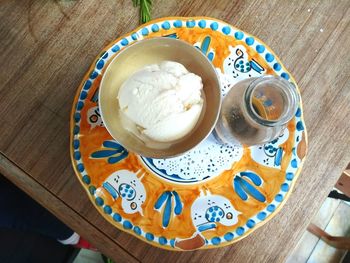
150,51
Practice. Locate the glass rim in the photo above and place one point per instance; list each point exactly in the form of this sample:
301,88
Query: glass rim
288,88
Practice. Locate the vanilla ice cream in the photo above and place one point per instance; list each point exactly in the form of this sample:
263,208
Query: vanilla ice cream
163,100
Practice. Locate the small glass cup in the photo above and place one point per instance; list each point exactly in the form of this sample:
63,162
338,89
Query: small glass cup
256,110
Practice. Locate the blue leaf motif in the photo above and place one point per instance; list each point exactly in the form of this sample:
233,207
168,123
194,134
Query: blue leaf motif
204,48
112,144
239,190
161,200
174,35
251,190
243,188
205,45
165,200
103,153
210,56
167,211
112,160
113,151
252,176
278,157
178,204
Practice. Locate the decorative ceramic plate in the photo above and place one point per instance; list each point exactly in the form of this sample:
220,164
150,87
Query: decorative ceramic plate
213,195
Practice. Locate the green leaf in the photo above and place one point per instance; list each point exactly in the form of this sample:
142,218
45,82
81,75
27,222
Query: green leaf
145,9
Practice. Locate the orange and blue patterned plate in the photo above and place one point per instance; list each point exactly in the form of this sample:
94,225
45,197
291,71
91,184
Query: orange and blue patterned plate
215,194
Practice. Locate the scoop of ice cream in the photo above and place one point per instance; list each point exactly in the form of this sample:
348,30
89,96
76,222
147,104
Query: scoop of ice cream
163,100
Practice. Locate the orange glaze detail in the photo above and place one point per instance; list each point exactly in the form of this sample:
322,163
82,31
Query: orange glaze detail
182,225
218,43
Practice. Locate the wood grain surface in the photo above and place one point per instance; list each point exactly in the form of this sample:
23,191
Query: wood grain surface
46,48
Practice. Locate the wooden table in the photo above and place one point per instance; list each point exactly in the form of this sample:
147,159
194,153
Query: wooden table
46,48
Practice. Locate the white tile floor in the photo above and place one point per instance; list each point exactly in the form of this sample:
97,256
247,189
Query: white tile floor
337,226
334,218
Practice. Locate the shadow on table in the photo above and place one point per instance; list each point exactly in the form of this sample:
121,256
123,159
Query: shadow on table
17,246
